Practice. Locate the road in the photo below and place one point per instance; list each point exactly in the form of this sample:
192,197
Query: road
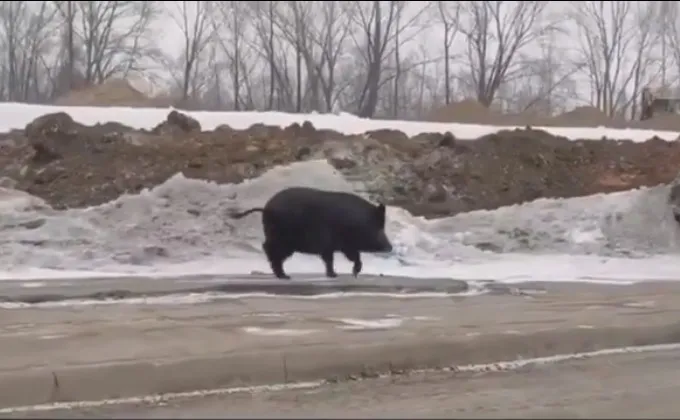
63,350
624,386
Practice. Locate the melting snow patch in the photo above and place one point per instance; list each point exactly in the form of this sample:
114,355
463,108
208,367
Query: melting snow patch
426,318
268,315
642,304
51,336
278,331
369,324
32,285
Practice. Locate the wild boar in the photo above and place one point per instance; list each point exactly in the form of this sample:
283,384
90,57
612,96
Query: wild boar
318,222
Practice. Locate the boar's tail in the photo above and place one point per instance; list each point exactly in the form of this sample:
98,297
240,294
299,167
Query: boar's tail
238,215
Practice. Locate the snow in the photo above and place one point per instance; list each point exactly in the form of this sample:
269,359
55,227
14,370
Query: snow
16,116
612,238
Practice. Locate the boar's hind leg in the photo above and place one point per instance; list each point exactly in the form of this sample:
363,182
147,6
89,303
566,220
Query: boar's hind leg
327,257
277,253
355,257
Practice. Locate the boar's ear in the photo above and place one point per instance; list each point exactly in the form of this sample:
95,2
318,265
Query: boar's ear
380,214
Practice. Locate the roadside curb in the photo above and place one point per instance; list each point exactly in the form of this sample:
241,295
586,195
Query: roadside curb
307,363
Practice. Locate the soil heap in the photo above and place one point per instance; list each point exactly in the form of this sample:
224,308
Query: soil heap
431,174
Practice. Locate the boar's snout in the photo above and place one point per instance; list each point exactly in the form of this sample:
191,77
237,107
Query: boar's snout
384,244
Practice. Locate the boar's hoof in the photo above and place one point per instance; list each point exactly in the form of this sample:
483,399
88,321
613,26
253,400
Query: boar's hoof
356,269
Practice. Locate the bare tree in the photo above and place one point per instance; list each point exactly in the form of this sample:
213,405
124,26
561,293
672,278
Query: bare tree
282,36
10,12
266,13
603,45
193,18
330,37
379,34
231,25
550,83
293,21
425,90
317,32
397,59
66,74
108,38
116,37
497,32
667,22
25,31
375,58
375,26
617,38
671,44
68,11
645,66
449,14
212,97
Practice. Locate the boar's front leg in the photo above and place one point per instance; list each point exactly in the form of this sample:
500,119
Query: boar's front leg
355,257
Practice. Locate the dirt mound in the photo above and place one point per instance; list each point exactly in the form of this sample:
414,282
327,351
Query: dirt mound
432,174
466,111
116,92
472,112
661,121
587,116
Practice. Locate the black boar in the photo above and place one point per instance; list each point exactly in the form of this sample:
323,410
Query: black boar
317,222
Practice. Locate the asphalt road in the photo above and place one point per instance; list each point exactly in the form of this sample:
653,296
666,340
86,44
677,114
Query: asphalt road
71,352
638,386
